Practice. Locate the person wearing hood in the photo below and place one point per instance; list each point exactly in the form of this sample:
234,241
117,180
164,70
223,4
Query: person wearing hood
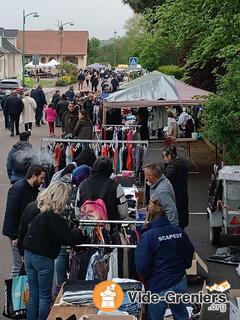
70,93
84,128
162,256
69,119
100,186
5,111
19,159
177,173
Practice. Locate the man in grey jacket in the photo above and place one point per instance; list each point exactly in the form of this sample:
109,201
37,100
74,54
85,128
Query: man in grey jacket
162,190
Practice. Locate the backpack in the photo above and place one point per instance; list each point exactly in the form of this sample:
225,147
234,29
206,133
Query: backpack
81,77
95,209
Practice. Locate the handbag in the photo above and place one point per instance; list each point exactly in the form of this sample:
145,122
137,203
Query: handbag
16,296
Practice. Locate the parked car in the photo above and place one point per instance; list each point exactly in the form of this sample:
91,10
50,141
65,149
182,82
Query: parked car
12,85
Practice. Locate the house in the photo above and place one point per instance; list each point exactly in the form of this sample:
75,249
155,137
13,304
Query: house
10,56
48,44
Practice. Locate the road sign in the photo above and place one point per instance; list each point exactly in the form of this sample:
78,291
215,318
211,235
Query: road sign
133,62
35,59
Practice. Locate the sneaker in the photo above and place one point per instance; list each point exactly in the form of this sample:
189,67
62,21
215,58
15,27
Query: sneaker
38,125
12,135
43,123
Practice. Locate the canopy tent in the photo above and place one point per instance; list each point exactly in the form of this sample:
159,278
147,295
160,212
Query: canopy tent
53,63
96,66
156,89
30,65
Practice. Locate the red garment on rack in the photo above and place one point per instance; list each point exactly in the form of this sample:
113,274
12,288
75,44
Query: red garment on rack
130,158
130,135
57,154
105,151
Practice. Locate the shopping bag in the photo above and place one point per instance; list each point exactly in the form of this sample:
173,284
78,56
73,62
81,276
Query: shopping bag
16,297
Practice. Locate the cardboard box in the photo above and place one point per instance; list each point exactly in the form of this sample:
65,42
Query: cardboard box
198,266
65,312
234,304
96,317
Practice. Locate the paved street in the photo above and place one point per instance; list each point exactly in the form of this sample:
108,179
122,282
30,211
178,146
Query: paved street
198,229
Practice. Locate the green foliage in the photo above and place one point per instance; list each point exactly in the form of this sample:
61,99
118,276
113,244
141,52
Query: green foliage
61,83
172,70
69,68
222,114
141,5
206,33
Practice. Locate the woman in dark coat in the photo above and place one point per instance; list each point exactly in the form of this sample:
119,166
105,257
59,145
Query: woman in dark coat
177,174
84,128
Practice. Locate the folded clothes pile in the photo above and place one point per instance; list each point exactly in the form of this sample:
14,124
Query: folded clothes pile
227,255
129,285
78,292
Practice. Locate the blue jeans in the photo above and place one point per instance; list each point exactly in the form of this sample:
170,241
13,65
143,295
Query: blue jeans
61,266
39,270
179,311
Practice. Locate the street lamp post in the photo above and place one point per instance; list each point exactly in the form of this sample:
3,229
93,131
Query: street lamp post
114,48
60,28
35,15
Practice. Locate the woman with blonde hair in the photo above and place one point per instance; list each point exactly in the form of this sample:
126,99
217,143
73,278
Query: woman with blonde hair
43,238
163,254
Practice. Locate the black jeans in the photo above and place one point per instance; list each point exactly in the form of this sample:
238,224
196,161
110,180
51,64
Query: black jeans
39,112
14,118
7,119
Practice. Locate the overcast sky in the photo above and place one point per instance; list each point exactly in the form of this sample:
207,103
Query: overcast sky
99,17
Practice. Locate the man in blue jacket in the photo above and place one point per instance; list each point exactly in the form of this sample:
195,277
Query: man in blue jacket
162,256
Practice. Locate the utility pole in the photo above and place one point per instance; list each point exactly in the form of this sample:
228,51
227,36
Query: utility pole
60,28
35,15
114,48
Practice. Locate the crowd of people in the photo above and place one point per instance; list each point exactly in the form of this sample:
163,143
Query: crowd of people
41,221
40,225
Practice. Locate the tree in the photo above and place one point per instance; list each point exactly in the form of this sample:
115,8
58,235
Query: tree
94,45
205,33
140,6
222,114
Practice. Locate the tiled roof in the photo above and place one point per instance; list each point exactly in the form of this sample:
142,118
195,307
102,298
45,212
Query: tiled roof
9,47
48,42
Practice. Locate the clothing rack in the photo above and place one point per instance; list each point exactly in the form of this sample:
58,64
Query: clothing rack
113,246
51,140
121,125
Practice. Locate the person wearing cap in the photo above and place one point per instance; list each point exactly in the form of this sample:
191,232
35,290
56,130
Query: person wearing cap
5,111
14,106
29,111
19,159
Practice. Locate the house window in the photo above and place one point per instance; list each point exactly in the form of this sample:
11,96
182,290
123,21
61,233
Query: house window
43,59
72,59
28,59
